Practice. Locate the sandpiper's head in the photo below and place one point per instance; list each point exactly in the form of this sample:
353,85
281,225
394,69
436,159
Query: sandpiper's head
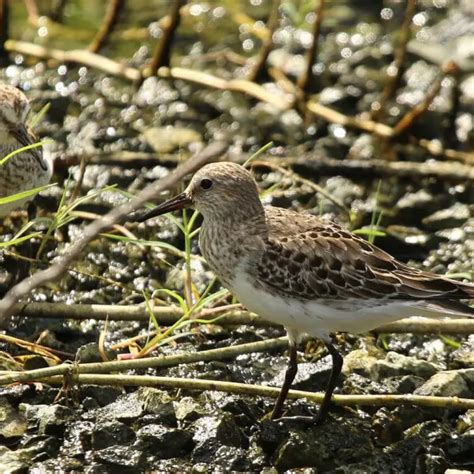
14,108
216,190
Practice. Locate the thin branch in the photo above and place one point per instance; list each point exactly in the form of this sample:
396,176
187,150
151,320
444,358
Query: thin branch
442,170
202,79
270,392
109,22
115,216
399,63
8,377
162,52
32,11
4,31
167,315
258,66
304,80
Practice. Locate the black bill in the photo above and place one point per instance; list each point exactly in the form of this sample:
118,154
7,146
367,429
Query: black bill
178,202
22,134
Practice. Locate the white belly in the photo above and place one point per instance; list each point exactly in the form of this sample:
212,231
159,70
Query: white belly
313,316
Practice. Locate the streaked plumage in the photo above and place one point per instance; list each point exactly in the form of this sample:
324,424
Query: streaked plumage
307,274
25,170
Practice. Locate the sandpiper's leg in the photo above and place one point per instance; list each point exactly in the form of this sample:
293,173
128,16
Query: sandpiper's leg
337,361
290,375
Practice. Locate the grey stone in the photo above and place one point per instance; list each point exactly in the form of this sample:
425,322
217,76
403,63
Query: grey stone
187,409
397,364
168,139
165,442
158,402
51,419
362,360
112,433
211,432
445,384
127,408
12,423
454,216
13,462
120,456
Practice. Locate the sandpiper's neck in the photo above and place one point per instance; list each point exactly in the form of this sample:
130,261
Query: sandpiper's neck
229,242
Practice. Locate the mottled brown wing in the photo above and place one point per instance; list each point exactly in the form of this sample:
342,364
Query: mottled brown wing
315,259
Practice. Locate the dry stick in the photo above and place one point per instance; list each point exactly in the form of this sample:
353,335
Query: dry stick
258,66
167,315
8,377
449,170
112,14
234,85
270,392
400,56
115,216
162,52
304,80
4,31
32,11
413,114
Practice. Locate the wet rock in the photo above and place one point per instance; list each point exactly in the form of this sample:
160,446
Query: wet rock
165,443
362,360
127,408
315,447
465,421
231,459
12,423
464,356
102,394
14,461
170,138
412,207
124,458
387,426
211,432
445,384
90,353
187,409
358,384
460,449
51,419
397,364
310,376
454,216
158,402
112,433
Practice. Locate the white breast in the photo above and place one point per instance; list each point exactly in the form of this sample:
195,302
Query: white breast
317,317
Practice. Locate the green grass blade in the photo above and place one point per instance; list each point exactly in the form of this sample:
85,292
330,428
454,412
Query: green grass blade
24,194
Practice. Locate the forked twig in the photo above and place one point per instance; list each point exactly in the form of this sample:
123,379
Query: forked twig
112,14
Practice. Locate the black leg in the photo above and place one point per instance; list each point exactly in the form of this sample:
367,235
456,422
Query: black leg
289,377
335,372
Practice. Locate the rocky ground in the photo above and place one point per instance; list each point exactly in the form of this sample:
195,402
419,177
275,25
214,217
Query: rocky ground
428,222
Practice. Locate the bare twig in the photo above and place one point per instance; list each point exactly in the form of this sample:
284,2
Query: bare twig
167,315
112,13
32,11
258,64
162,53
413,114
282,102
456,172
7,377
4,31
304,80
400,55
271,392
116,216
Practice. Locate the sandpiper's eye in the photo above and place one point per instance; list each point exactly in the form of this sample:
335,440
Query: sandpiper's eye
206,183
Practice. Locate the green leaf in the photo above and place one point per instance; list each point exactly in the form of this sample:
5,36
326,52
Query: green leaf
24,194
